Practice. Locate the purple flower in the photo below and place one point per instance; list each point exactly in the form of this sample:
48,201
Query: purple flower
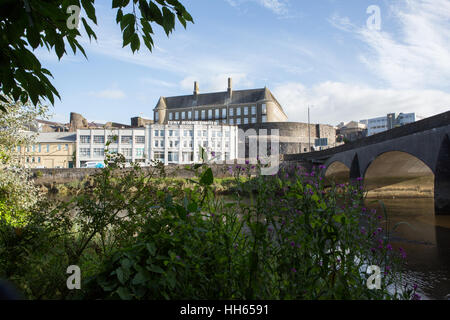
389,247
359,179
322,167
178,257
292,244
379,229
416,297
293,270
373,250
380,217
247,162
415,286
213,154
363,230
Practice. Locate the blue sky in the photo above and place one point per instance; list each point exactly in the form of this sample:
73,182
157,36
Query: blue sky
318,53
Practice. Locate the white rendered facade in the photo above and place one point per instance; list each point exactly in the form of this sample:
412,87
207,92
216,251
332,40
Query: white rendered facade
171,143
380,124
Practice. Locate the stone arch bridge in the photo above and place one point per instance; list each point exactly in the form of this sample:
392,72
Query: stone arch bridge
418,148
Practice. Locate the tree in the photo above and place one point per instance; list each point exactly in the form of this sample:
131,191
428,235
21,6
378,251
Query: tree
26,24
17,190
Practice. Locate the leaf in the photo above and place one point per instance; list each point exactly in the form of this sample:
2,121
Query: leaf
124,293
207,177
155,269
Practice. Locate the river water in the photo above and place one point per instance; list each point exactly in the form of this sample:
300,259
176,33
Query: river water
426,240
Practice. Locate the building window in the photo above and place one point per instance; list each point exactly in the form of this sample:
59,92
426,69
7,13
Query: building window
99,152
171,116
205,144
39,159
172,156
156,133
59,147
253,119
85,139
48,148
217,113
183,115
139,152
127,152
224,121
112,139
219,134
196,114
126,139
203,114
231,112
39,147
209,114
190,115
227,144
139,139
156,143
227,134
231,121
157,116
238,121
219,145
158,156
224,113
66,147
264,119
263,108
18,149
254,110
245,120
161,133
185,144
177,115
205,133
85,152
238,111
99,139
113,150
245,111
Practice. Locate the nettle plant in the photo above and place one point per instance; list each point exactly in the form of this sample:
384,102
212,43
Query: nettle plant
287,236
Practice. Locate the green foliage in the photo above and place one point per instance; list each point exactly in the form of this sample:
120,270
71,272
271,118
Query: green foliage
31,24
286,236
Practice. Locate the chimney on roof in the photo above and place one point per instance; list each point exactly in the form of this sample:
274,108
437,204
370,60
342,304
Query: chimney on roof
195,88
230,87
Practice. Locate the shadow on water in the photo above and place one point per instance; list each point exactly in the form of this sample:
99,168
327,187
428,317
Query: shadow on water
426,241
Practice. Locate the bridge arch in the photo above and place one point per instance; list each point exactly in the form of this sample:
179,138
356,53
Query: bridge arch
442,178
337,171
402,172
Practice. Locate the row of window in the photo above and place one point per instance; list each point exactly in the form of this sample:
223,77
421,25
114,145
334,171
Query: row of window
38,148
186,156
100,139
190,133
100,152
218,113
189,144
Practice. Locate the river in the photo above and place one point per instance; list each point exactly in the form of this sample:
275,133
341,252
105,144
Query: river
426,241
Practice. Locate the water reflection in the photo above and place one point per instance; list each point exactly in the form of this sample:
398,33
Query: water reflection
426,240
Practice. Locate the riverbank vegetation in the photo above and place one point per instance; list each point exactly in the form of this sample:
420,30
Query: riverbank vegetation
133,237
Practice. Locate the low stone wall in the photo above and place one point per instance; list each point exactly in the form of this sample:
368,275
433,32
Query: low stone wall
57,176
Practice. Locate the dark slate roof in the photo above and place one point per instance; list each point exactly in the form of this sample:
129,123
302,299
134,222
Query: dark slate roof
216,98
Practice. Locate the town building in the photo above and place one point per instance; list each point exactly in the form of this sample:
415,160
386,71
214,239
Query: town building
351,131
171,143
390,121
50,150
233,107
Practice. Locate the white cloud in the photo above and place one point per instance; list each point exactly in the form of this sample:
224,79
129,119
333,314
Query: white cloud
113,94
279,7
334,102
416,57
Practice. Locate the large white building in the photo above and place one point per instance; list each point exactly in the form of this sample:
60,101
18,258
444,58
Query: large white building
172,143
390,121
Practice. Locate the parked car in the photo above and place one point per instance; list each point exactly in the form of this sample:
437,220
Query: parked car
93,165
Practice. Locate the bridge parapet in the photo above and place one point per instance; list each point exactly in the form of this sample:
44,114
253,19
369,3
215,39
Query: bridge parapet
440,120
